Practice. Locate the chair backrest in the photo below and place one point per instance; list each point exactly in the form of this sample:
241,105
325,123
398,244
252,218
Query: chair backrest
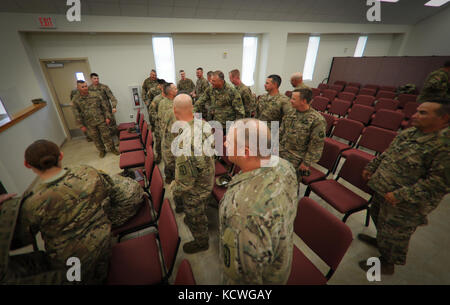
150,137
377,139
351,89
367,91
366,100
388,119
388,88
322,87
386,94
339,107
410,108
340,82
361,113
329,156
288,93
337,88
353,84
348,130
386,103
184,274
138,116
346,96
144,133
168,236
315,92
372,86
352,170
157,189
329,94
320,103
405,98
149,162
141,122
330,121
323,232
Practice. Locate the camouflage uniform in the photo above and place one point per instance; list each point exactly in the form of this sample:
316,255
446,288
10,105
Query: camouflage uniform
273,108
221,105
301,86
67,210
200,86
166,119
256,225
147,85
108,99
248,99
151,94
416,168
302,138
153,111
90,111
186,85
194,181
126,199
436,86
72,94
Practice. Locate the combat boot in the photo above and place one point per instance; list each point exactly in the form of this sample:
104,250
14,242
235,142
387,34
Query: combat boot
88,139
372,241
196,246
179,209
102,154
186,221
115,152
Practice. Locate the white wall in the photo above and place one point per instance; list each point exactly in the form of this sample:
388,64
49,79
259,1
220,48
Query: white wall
430,36
378,45
294,58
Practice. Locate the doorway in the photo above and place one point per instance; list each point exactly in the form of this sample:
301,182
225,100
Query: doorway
62,76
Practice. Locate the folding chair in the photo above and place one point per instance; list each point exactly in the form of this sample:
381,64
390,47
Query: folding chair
136,144
137,261
340,83
337,88
366,100
146,172
385,94
409,109
348,130
125,126
320,103
315,92
361,113
373,138
352,84
388,88
322,87
386,103
184,274
328,160
346,96
339,107
351,89
367,91
325,235
405,98
125,135
372,86
388,119
329,94
330,122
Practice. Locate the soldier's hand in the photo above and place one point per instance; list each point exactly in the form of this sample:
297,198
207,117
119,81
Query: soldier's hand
108,121
114,110
389,197
366,175
83,129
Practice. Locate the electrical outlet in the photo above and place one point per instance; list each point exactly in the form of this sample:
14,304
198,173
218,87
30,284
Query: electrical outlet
131,116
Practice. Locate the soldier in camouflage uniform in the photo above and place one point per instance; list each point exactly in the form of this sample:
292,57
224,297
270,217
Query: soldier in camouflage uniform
153,105
302,133
109,100
92,115
273,105
436,85
72,94
248,98
297,81
221,102
201,85
185,84
66,208
194,180
149,82
256,217
153,92
409,180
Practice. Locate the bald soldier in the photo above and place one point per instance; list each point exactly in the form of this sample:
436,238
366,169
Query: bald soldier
256,226
409,180
302,133
272,106
185,84
297,81
92,115
248,98
194,179
149,82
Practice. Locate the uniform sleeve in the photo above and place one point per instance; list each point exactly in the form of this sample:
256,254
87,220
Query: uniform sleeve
104,107
372,166
238,106
247,101
428,192
201,103
77,113
185,175
111,97
437,82
316,143
285,106
144,89
191,86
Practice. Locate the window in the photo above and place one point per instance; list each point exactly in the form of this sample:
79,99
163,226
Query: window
311,55
250,48
360,46
164,59
79,76
4,117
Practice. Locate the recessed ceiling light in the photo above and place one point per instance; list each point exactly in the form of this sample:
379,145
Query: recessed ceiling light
436,2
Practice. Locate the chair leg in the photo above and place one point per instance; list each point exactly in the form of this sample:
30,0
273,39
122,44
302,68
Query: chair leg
367,217
345,217
307,192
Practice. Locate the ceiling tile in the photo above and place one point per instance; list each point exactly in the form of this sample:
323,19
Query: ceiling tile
206,13
185,3
134,10
183,12
226,14
160,11
210,3
160,2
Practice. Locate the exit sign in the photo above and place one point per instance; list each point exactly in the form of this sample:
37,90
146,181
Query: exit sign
47,22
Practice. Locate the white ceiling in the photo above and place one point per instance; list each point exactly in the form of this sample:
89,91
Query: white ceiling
343,11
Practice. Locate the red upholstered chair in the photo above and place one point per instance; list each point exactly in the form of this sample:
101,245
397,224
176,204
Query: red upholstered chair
409,109
366,100
135,144
137,261
322,87
388,88
320,103
330,122
386,103
346,96
328,160
288,93
324,234
385,94
405,98
147,171
367,91
340,83
329,94
337,195
348,130
135,158
184,274
339,107
374,138
388,119
125,126
315,92
352,84
351,89
125,135
372,86
361,113
337,88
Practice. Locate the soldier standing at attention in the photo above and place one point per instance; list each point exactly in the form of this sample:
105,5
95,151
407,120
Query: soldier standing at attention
201,84
246,94
66,208
153,106
273,105
257,212
302,133
436,85
297,81
409,180
185,84
194,181
93,116
149,82
224,101
72,94
108,98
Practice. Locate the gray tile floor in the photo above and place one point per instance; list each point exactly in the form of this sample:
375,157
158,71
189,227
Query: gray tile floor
428,259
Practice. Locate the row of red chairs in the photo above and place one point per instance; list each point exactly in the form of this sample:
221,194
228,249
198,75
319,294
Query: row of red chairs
355,87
